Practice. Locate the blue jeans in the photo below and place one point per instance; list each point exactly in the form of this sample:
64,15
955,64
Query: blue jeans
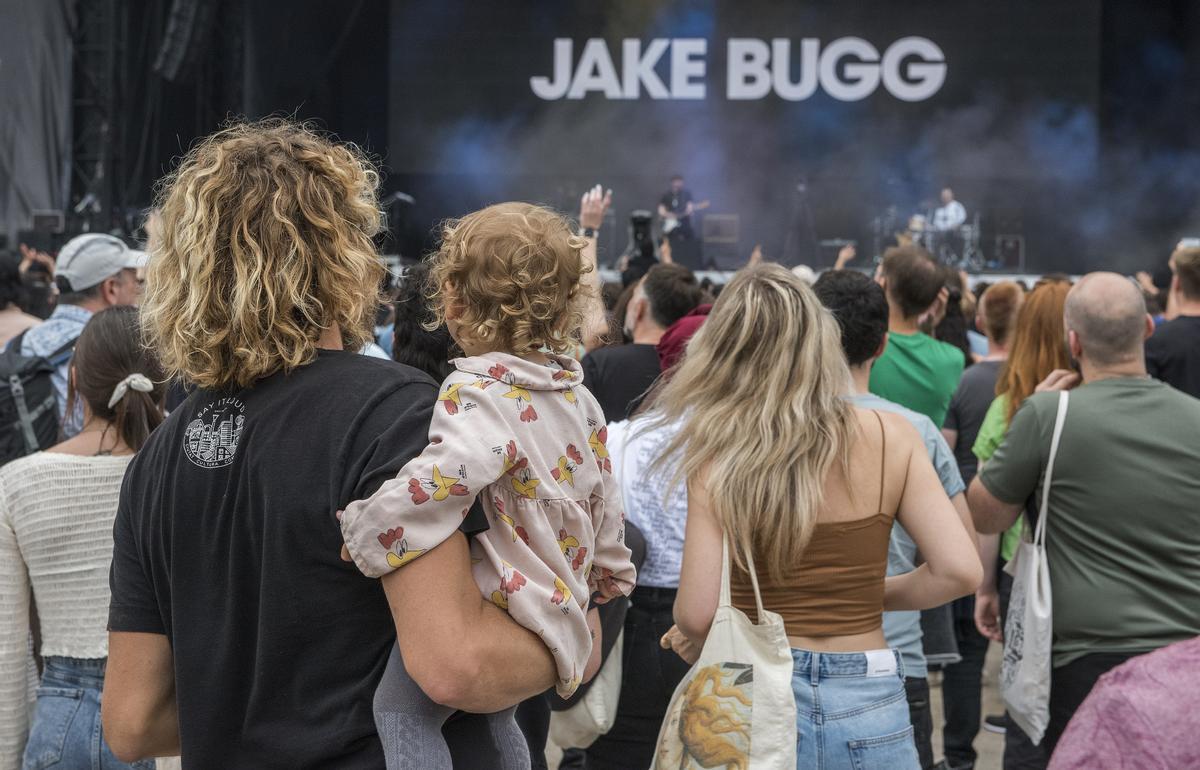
847,720
65,734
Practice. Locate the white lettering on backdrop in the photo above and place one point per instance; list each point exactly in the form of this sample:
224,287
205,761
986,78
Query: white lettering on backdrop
911,69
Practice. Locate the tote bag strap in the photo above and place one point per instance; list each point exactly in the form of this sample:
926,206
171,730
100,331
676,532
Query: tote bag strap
1039,537
727,571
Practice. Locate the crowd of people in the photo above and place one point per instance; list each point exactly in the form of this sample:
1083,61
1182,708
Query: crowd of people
249,540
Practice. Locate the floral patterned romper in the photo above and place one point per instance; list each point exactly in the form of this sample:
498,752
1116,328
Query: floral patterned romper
530,443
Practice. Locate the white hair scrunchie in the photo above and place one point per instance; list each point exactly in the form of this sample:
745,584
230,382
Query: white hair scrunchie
137,381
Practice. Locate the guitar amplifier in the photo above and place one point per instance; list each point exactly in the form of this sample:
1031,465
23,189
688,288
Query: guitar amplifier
48,221
720,234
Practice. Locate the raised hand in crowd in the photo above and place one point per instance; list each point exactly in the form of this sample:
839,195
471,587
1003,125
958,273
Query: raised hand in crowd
31,256
592,207
845,256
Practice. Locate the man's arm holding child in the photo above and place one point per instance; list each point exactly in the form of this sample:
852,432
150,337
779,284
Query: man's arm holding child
463,651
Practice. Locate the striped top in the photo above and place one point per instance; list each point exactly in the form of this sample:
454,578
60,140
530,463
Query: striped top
56,520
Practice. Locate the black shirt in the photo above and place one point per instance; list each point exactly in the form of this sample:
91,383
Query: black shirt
968,407
1173,354
618,376
226,541
676,202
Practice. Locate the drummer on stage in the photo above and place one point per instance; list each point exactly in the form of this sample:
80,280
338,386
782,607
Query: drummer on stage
947,219
950,215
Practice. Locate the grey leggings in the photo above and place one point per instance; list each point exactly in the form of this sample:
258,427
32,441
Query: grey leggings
410,726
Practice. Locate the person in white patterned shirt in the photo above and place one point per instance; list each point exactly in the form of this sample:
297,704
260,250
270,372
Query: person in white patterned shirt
950,215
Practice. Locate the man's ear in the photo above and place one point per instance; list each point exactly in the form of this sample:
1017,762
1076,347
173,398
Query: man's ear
109,290
641,308
1149,330
1073,344
883,343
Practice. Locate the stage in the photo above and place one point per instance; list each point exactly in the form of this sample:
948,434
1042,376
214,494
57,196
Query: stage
721,277
1059,126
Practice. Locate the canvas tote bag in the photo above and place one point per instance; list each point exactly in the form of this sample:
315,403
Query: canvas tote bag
593,716
1029,628
735,708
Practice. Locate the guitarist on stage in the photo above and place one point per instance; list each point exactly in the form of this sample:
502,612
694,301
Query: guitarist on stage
675,208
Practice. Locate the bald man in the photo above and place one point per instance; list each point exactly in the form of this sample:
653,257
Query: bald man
1123,537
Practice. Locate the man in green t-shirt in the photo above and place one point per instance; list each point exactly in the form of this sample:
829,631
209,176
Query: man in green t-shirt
916,370
1123,533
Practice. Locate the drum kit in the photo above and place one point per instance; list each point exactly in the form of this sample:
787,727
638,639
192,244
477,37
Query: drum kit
958,247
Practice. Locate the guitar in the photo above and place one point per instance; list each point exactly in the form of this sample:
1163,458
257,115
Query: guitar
671,221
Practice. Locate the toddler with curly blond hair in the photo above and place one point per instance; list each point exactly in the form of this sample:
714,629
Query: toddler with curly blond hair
514,428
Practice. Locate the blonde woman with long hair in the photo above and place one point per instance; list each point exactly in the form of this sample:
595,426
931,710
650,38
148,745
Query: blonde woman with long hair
779,462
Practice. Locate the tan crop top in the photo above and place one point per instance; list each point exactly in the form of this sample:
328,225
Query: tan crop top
836,588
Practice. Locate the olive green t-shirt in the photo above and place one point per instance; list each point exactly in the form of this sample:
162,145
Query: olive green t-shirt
1123,534
991,434
918,372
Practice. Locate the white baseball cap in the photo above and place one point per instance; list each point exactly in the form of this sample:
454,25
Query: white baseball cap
88,259
805,273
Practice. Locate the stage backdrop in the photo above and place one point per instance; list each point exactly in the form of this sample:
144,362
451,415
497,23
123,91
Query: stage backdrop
35,110
782,113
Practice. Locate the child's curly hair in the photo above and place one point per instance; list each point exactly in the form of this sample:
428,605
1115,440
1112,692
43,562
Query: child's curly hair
514,273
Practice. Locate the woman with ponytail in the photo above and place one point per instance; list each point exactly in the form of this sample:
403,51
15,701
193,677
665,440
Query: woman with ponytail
56,520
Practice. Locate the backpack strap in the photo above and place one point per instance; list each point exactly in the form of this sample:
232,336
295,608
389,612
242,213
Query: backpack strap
24,418
14,345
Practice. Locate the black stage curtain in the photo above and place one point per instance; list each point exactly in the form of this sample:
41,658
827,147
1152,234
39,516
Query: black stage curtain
35,109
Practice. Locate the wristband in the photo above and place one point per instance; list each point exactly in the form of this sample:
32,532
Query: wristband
588,232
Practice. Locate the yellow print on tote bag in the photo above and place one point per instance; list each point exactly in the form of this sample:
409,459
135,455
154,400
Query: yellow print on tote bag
713,722
735,709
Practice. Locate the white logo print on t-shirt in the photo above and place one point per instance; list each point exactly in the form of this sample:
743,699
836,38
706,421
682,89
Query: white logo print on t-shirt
212,438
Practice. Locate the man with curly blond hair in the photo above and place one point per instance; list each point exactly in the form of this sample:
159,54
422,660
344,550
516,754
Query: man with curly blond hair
237,634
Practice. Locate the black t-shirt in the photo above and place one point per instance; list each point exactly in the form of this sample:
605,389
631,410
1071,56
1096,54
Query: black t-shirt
226,541
618,376
1173,354
967,409
676,202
